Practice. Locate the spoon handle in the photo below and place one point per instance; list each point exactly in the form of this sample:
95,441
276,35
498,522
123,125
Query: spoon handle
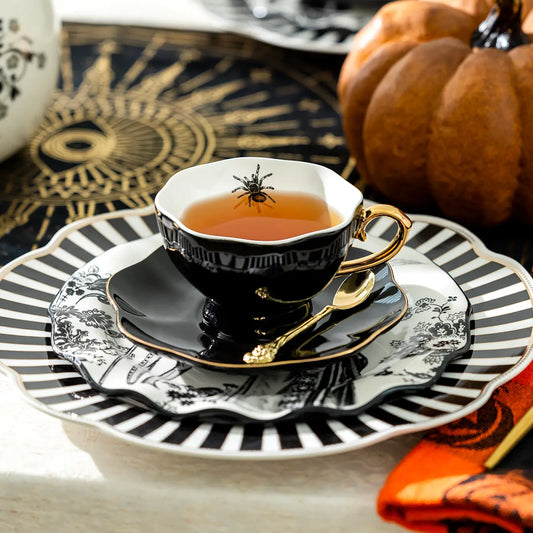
512,438
266,353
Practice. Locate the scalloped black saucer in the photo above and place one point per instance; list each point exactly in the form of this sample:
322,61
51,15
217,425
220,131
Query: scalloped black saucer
159,308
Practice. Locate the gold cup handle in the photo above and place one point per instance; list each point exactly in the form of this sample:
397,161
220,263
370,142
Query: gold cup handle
372,260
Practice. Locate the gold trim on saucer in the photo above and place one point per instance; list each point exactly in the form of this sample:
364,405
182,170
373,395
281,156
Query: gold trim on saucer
274,363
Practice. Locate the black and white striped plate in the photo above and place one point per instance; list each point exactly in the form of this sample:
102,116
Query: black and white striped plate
499,289
326,27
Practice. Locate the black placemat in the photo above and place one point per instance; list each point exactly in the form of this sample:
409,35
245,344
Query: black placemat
136,104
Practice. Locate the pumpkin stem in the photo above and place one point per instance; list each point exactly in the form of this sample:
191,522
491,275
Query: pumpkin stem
502,28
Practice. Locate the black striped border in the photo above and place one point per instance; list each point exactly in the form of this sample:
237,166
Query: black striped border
500,291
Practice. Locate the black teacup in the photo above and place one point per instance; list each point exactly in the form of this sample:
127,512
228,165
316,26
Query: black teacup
253,278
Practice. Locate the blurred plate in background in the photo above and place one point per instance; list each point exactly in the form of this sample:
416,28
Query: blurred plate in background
325,26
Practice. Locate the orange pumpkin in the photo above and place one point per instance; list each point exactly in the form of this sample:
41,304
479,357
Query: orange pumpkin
428,116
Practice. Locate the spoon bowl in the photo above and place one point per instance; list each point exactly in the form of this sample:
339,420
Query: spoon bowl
354,290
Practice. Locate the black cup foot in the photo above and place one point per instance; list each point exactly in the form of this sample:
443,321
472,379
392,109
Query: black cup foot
265,324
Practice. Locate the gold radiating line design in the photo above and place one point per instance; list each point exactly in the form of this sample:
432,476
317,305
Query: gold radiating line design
17,214
249,116
157,83
258,141
211,95
134,200
140,64
71,212
98,78
282,125
349,168
325,159
97,176
323,122
206,76
45,224
249,99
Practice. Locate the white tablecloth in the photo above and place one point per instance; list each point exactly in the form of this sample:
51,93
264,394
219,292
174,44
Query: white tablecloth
60,476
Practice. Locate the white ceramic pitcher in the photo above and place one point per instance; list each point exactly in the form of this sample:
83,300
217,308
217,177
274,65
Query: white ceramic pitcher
29,61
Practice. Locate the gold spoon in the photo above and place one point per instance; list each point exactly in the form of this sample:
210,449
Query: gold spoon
354,290
512,438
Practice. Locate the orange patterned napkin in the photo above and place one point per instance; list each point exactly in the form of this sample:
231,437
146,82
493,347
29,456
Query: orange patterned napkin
442,486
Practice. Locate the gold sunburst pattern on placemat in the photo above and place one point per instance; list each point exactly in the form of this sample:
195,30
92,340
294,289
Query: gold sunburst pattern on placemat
135,105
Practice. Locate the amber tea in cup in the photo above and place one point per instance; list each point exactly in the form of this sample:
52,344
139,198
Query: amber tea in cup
288,215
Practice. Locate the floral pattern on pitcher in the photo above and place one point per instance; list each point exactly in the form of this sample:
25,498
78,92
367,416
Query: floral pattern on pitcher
16,55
